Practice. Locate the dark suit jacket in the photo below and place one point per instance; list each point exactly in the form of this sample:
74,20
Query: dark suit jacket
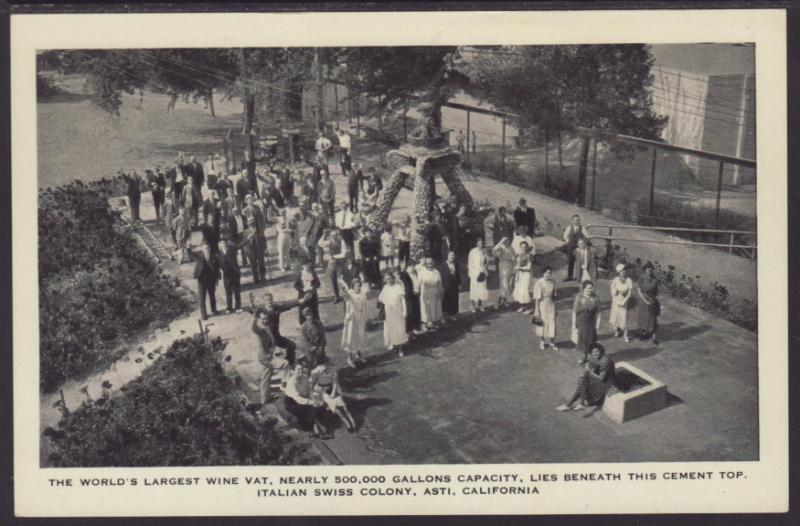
525,218
205,271
228,264
298,282
236,235
243,187
195,170
450,280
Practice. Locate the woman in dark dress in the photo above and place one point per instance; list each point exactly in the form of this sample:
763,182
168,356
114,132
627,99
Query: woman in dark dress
593,384
585,319
650,307
451,281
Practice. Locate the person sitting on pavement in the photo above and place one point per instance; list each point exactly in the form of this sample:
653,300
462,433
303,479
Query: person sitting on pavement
307,413
325,377
593,384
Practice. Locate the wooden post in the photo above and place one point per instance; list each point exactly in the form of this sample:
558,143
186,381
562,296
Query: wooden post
730,248
546,159
64,408
594,172
504,149
358,118
652,185
719,190
468,139
405,123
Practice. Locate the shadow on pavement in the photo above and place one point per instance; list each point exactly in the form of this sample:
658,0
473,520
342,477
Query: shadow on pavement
679,331
364,381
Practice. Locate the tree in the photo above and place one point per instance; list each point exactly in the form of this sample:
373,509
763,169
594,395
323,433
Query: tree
398,76
570,88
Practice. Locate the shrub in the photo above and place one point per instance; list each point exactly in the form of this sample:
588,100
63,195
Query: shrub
47,87
184,410
96,284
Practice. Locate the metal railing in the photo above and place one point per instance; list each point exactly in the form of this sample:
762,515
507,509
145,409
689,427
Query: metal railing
750,249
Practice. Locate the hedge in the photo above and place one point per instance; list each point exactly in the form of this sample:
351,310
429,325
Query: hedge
184,410
97,286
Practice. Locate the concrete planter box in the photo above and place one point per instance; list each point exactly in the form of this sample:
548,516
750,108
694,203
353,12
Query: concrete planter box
637,394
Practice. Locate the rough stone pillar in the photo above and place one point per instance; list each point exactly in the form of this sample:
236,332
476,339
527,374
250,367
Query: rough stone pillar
423,200
456,187
377,220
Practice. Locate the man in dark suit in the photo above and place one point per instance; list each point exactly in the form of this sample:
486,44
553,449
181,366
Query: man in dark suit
355,185
256,241
210,235
157,184
231,275
243,189
212,210
525,216
177,177
206,272
451,281
237,224
134,192
195,171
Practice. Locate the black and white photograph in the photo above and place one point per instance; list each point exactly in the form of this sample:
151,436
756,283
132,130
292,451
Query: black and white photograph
439,254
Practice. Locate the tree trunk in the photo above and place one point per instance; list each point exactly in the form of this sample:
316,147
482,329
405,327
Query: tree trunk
210,100
249,102
423,202
560,152
376,221
582,170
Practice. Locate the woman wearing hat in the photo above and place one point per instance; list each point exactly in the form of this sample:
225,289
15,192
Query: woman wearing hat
621,302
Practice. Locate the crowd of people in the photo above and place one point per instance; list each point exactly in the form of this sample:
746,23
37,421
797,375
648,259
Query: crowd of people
315,238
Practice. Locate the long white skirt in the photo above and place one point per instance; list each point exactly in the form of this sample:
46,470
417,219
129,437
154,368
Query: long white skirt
478,290
394,327
284,248
547,309
522,287
618,317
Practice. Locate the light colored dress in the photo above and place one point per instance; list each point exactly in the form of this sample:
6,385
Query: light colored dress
284,242
387,245
545,291
354,334
505,269
478,263
394,326
430,295
620,292
522,285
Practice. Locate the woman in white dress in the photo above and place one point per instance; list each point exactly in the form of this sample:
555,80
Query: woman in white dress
621,302
430,294
544,295
354,334
505,268
522,276
394,303
284,228
478,271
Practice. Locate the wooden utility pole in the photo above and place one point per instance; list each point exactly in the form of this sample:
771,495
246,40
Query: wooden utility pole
249,102
320,93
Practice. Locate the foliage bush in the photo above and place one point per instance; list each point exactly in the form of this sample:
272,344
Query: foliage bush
47,87
183,410
96,284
